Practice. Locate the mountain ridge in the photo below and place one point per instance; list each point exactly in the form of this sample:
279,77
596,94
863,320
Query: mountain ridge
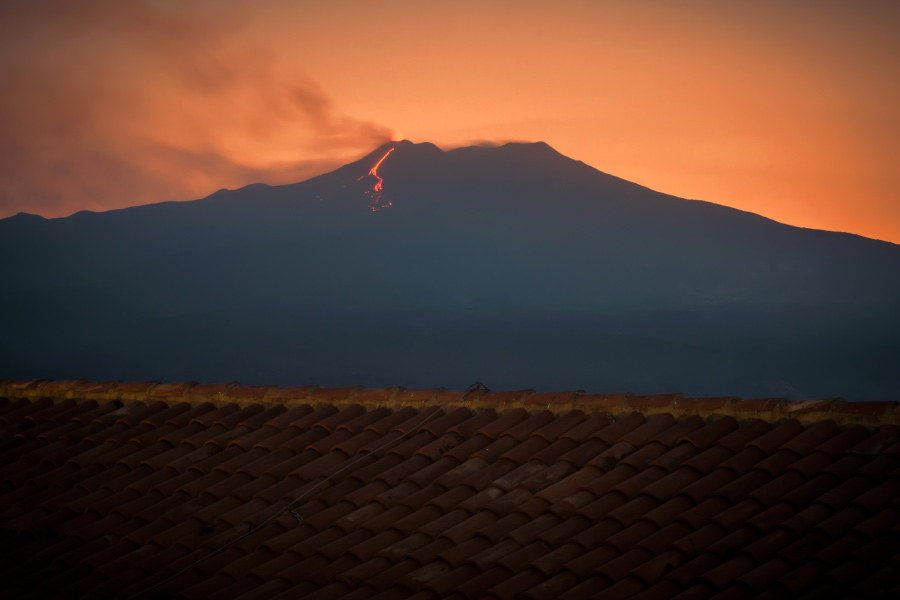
552,266
434,150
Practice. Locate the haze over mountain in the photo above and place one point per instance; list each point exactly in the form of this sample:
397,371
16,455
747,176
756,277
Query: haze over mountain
513,265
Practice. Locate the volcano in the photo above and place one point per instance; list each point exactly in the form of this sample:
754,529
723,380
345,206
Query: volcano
513,265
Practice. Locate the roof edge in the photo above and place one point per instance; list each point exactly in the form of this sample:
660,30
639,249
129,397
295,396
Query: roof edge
868,414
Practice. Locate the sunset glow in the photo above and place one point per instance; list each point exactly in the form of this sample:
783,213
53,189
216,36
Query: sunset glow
783,109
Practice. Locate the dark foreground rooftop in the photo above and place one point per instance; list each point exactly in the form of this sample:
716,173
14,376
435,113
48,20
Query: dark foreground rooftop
114,490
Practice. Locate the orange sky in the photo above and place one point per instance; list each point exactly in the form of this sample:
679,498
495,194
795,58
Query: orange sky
784,109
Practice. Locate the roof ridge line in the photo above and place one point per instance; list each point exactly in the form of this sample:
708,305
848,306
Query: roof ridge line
869,414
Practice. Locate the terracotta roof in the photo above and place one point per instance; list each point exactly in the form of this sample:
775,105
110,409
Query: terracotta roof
107,490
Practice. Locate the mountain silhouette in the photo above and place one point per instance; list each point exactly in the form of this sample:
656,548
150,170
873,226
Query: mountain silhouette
513,265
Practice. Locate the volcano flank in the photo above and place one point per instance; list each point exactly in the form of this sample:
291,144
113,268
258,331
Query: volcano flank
513,265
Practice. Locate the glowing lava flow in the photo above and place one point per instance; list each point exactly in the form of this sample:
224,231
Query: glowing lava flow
375,192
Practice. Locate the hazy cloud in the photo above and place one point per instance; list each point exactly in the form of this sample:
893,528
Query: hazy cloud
108,104
482,143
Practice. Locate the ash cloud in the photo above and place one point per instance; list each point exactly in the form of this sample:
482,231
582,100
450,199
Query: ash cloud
111,104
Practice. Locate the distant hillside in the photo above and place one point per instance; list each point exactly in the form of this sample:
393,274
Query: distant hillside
514,265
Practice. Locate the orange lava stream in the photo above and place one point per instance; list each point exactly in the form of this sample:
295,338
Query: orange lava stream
376,189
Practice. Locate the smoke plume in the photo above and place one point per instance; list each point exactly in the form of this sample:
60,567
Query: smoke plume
110,104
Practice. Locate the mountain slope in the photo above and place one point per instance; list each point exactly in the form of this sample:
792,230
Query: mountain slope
549,272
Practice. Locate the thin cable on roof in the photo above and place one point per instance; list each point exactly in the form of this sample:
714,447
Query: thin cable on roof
459,396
